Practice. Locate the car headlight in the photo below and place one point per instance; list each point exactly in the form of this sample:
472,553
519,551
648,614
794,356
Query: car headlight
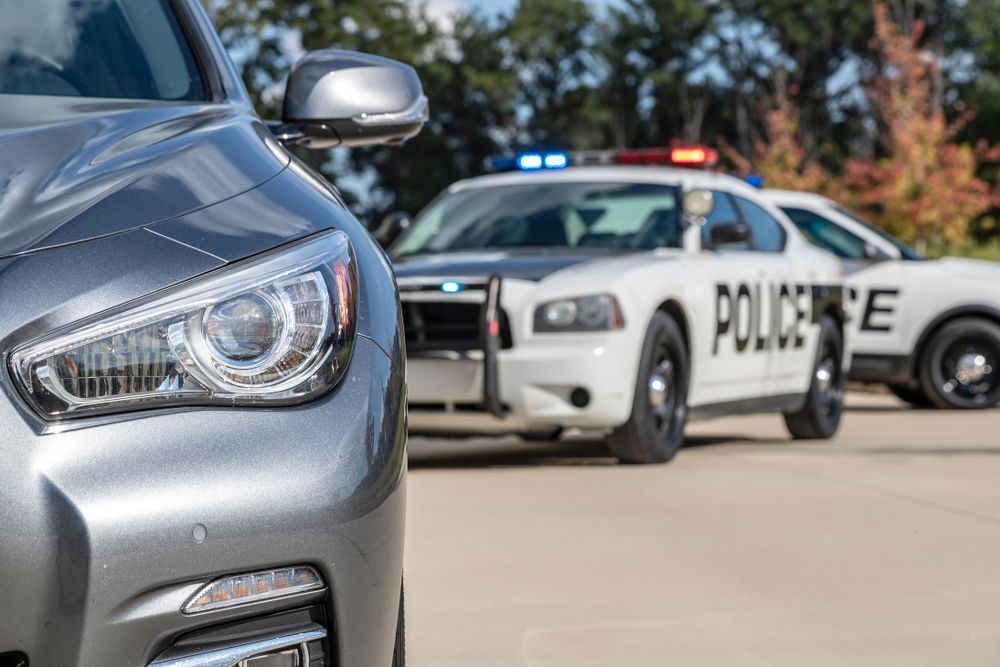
588,313
273,330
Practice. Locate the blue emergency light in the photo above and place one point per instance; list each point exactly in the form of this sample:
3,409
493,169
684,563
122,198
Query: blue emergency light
556,160
451,287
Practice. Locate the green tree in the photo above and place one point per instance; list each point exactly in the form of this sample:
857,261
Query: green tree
551,47
471,93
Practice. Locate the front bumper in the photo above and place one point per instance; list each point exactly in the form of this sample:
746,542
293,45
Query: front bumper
536,380
101,524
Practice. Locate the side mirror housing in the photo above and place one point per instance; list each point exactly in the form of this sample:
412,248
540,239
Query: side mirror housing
345,98
729,233
873,254
391,227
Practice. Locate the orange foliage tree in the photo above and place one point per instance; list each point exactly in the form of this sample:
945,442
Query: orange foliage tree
778,154
924,186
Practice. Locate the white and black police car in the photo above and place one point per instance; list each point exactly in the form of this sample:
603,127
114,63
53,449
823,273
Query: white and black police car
929,329
614,291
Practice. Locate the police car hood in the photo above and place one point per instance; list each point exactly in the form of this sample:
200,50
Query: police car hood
73,169
523,264
971,269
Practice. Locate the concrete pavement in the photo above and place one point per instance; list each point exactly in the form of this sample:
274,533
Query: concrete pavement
879,548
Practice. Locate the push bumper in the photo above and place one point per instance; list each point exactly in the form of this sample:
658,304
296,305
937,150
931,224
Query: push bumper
109,529
539,382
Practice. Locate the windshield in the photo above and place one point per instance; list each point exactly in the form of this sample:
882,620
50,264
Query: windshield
132,49
826,234
635,216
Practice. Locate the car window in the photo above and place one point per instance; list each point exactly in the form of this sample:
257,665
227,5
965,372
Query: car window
724,212
637,216
124,49
827,234
766,233
905,251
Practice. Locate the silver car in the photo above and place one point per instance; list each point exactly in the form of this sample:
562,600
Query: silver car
203,421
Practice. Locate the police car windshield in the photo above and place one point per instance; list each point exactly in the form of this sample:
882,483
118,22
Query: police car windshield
619,216
125,49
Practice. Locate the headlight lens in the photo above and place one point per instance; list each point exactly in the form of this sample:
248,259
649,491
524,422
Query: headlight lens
278,329
589,313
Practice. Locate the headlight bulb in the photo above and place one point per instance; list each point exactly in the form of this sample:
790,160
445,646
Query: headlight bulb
243,329
560,313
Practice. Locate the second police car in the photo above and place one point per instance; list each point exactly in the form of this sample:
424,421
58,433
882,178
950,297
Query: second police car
929,329
616,295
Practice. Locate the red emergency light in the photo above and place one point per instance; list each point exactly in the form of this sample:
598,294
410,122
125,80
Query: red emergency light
694,155
682,156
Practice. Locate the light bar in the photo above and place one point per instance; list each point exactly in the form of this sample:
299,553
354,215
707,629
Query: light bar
556,160
530,162
694,155
643,156
684,156
243,589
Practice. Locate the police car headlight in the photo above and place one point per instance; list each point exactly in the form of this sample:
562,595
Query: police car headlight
590,313
273,330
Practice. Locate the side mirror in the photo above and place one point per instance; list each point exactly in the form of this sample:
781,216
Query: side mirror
391,227
345,98
874,254
729,233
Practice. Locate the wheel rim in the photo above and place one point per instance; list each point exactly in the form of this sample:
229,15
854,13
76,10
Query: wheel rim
828,382
661,390
970,369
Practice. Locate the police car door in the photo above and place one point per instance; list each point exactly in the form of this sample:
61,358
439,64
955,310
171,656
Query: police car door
735,355
873,277
785,328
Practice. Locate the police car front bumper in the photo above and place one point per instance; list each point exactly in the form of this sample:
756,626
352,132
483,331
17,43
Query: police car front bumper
545,381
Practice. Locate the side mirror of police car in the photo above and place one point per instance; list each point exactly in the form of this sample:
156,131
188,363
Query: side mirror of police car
873,254
345,98
729,233
391,227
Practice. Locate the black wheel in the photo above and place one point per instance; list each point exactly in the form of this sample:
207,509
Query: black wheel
548,435
655,429
819,418
399,653
915,396
960,367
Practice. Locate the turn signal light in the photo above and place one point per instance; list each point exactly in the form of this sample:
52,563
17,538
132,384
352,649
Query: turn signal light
243,589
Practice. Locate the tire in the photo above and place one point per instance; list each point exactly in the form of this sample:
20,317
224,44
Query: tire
820,417
915,396
399,653
960,366
655,429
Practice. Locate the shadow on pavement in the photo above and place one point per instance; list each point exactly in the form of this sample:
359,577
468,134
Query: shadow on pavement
429,454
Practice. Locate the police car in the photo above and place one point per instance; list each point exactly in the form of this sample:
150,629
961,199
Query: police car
930,329
608,291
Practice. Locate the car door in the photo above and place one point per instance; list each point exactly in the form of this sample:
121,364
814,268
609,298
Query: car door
874,279
786,336
732,358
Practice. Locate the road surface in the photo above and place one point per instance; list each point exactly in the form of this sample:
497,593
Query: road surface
879,548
